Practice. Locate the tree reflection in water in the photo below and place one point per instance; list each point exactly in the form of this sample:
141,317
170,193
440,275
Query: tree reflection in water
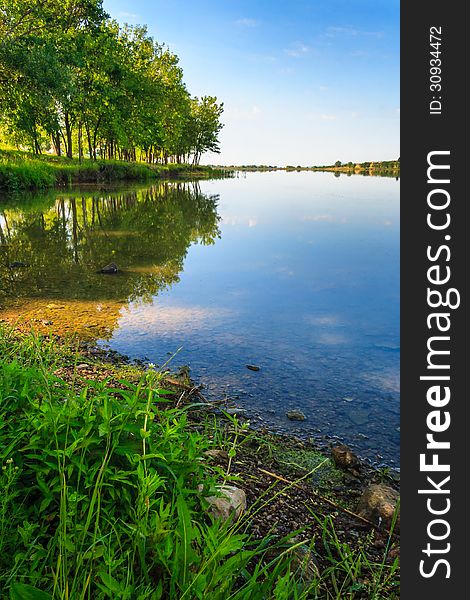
51,252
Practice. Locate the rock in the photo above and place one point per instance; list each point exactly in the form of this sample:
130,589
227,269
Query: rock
234,411
230,504
216,454
295,415
17,264
253,368
378,503
359,416
345,458
110,269
304,561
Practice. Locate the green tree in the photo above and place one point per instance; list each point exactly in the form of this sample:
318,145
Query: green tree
205,126
71,76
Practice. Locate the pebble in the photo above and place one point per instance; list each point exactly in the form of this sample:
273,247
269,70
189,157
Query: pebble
295,415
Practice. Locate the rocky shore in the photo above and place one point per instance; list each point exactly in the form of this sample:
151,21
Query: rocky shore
295,478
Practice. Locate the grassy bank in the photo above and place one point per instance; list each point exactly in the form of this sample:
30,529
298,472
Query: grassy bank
105,471
24,171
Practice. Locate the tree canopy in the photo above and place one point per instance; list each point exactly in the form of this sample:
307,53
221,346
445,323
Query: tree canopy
75,82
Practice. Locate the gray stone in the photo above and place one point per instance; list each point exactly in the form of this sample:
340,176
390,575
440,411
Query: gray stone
216,454
295,415
230,504
378,504
234,411
304,561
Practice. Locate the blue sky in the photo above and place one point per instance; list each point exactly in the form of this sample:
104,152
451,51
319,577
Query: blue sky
303,82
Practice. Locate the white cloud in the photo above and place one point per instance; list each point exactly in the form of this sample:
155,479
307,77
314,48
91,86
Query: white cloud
324,320
352,31
332,339
246,114
246,22
127,15
360,54
316,218
261,58
329,117
297,50
160,319
233,220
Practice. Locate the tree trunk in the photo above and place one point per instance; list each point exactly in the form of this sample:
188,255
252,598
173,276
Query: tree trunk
95,135
36,145
80,146
68,133
74,229
56,142
90,146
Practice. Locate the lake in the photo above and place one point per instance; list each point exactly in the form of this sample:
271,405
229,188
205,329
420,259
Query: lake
296,273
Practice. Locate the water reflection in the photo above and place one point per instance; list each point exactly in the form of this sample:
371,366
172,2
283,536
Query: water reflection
54,250
303,281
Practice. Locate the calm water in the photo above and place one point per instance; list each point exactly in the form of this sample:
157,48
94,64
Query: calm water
297,273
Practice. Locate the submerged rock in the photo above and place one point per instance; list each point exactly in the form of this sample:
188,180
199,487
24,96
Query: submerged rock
359,416
295,415
110,269
378,504
234,410
230,504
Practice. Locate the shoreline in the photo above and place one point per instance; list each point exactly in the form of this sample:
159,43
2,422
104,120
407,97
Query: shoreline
292,486
376,169
21,171
54,320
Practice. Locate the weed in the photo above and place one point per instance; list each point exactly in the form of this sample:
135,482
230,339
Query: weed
101,498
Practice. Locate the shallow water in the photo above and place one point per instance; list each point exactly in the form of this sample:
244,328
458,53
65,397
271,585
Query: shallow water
297,273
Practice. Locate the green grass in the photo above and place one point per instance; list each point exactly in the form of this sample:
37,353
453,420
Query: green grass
100,497
24,171
100,493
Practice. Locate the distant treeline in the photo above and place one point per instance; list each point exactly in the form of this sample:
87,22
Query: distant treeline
385,167
75,83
